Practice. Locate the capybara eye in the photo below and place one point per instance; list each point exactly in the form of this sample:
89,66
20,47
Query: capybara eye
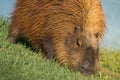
97,35
78,29
78,43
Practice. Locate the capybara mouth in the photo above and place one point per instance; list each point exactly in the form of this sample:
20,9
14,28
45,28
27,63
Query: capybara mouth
86,71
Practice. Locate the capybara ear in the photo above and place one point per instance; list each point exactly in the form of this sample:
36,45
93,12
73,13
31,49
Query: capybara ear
68,31
78,29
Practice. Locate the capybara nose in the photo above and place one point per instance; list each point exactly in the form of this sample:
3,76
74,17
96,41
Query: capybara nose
87,69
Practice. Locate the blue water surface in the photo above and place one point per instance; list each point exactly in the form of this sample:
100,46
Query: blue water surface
112,12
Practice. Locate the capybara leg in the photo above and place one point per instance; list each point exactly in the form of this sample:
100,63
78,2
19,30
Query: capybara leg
60,53
13,35
35,45
55,49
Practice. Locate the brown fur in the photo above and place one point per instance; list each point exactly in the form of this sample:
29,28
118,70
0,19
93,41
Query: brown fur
67,30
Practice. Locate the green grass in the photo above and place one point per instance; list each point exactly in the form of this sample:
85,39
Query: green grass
20,63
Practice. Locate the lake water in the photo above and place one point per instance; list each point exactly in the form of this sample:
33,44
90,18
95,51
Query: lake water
112,13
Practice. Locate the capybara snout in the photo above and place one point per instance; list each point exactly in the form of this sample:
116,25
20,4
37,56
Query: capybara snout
68,31
88,63
83,56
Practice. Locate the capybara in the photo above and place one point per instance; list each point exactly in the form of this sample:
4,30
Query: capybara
68,31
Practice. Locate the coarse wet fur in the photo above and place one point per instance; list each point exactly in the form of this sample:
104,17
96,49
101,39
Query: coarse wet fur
68,31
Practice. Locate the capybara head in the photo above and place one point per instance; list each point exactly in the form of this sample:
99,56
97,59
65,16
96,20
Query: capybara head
68,31
83,50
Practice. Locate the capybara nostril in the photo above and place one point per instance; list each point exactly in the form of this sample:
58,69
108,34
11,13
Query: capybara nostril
87,67
86,70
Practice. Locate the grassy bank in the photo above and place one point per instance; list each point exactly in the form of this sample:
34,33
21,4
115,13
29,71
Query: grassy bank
20,63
